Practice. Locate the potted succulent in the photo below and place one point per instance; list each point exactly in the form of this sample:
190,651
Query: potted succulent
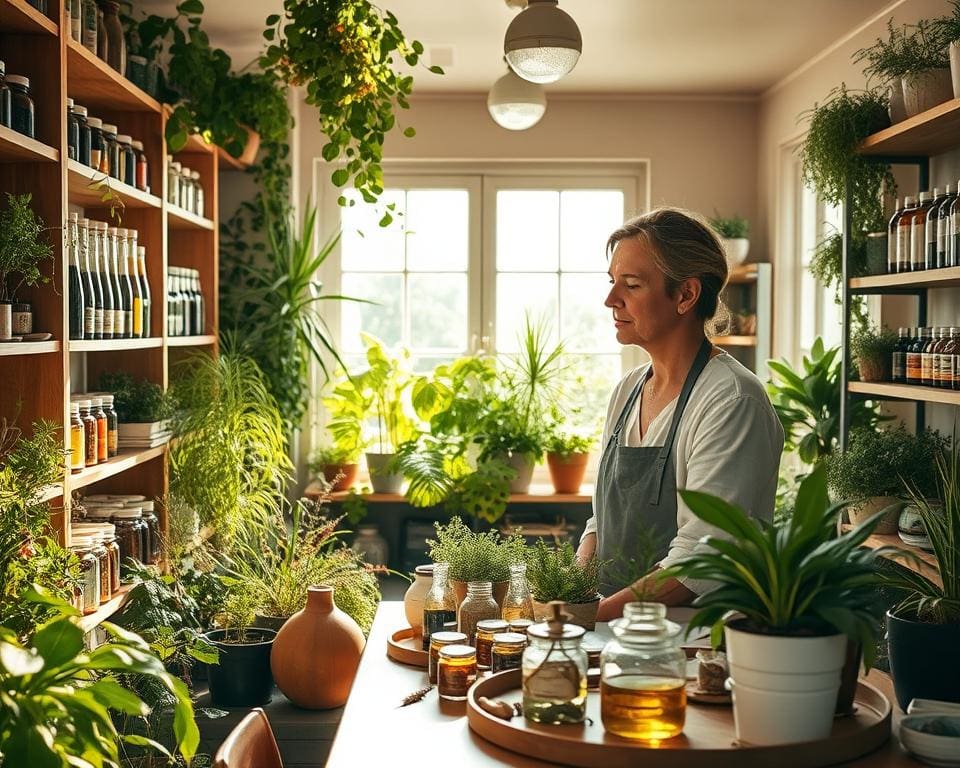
923,629
337,465
554,573
567,457
21,251
799,592
873,471
873,350
144,410
733,232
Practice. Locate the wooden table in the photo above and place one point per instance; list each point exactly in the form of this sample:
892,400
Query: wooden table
374,729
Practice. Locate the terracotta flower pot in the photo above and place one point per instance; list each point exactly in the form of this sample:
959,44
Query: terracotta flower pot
346,472
316,653
582,614
874,369
567,472
869,507
499,590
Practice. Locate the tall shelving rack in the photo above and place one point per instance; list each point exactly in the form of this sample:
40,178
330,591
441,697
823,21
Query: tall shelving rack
37,379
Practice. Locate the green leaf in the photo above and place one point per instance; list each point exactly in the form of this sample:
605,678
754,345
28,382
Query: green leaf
409,132
340,177
19,661
273,19
113,695
190,7
436,70
58,641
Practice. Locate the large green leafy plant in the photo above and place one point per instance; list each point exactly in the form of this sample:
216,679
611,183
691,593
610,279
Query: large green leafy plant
790,577
22,248
554,573
475,556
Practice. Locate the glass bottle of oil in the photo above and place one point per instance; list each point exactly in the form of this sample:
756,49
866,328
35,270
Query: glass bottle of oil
643,675
555,672
439,605
518,604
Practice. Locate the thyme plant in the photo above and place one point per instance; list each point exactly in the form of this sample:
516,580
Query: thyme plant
482,556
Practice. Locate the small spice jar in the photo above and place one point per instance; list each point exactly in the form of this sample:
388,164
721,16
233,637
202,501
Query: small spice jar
456,671
521,626
439,640
108,537
198,200
99,551
79,113
486,629
127,160
555,672
141,167
73,132
152,546
113,426
508,651
89,573
4,97
89,432
78,449
111,151
173,181
130,535
186,189
96,410
97,146
21,105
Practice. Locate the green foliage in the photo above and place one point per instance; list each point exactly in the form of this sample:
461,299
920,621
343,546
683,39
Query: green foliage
808,403
135,400
873,344
827,266
330,454
555,574
732,228
484,492
909,49
566,444
21,247
57,697
343,53
481,556
883,463
948,27
794,576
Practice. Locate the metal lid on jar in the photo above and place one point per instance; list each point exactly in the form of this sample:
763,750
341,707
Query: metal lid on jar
74,409
457,652
520,625
107,400
128,513
128,497
137,144
101,513
492,625
123,138
95,122
84,404
509,637
544,631
96,402
424,570
69,103
448,638
79,109
82,528
18,80
110,128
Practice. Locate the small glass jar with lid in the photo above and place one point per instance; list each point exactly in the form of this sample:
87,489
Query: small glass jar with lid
21,105
476,606
4,96
73,132
521,626
83,134
89,432
113,426
127,159
486,629
142,166
173,181
186,189
198,199
78,445
96,410
643,675
456,671
507,651
130,535
518,604
555,671
83,547
97,145
437,641
152,547
111,151
108,537
439,604
99,550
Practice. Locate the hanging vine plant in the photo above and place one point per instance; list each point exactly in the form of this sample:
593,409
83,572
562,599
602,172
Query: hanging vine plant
344,53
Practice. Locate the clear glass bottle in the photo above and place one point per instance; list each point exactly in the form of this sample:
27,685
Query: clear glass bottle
555,672
476,606
122,269
439,604
128,249
186,189
145,288
518,604
643,675
173,181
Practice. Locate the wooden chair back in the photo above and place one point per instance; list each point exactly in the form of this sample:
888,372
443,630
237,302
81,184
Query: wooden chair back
250,745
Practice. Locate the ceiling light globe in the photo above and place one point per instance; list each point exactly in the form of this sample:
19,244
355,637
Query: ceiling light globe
516,104
542,43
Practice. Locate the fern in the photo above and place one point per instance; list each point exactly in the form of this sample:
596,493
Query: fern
555,574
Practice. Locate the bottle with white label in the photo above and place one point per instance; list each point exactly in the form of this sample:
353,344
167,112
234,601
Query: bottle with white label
930,229
943,227
904,229
918,233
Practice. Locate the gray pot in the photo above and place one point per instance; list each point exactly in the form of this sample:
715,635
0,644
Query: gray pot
381,480
896,108
269,622
523,464
924,90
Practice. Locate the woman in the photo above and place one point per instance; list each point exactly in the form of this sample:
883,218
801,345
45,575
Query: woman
693,418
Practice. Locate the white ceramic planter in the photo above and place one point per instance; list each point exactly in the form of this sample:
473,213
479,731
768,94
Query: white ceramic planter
143,429
415,595
784,688
955,67
523,464
381,480
737,249
895,107
924,90
6,320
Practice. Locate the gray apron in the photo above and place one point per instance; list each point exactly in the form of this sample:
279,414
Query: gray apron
637,491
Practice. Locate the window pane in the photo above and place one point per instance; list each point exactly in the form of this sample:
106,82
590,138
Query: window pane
384,319
438,312
586,325
528,230
808,320
591,382
365,245
438,229
517,294
425,364
587,217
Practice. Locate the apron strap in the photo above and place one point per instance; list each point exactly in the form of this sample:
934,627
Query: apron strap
628,408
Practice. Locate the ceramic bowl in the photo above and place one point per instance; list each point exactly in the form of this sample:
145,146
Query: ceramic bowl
934,739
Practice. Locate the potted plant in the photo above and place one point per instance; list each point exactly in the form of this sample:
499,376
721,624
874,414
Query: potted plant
567,457
873,351
733,233
475,556
926,81
509,437
889,60
949,29
799,592
871,473
337,465
144,410
554,573
21,251
923,629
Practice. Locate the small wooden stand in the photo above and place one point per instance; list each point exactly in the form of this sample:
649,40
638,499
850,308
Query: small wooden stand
405,646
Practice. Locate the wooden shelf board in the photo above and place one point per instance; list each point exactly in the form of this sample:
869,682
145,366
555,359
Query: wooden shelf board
734,341
928,278
228,162
105,611
95,84
538,494
9,349
191,341
17,148
81,193
929,133
181,219
51,492
121,463
115,345
906,392
743,274
928,561
20,16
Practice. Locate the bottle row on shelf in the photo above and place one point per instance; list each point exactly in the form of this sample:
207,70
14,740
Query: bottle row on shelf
927,357
186,308
94,430
16,105
184,188
924,232
98,145
96,25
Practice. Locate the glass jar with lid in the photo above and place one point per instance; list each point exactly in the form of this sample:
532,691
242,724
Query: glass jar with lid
96,410
643,674
83,547
98,550
173,181
186,189
97,146
4,96
456,671
141,165
130,535
437,641
73,132
89,432
476,606
555,671
113,426
111,151
127,160
507,651
486,629
108,537
198,201
21,105
83,133
152,548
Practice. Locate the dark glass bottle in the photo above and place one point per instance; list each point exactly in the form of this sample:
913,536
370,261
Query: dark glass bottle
943,360
128,161
73,132
96,143
930,229
111,151
926,357
943,227
953,231
76,302
100,253
90,281
918,233
21,105
4,96
892,238
904,229
83,131
913,355
145,288
900,356
123,275
129,252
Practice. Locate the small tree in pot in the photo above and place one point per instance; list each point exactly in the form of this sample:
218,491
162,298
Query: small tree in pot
21,252
554,573
873,350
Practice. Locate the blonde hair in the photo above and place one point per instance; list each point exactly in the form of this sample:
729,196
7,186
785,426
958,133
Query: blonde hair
683,246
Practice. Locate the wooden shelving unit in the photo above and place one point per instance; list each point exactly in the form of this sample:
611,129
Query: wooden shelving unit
105,611
884,391
542,494
948,277
750,289
39,377
929,133
916,559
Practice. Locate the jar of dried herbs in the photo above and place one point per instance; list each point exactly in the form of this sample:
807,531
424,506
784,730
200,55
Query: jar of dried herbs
555,672
476,606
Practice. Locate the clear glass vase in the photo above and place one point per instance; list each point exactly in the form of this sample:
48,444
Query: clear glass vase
518,604
476,606
439,605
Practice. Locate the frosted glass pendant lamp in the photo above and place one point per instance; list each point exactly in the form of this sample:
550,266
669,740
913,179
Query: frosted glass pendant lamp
516,104
542,43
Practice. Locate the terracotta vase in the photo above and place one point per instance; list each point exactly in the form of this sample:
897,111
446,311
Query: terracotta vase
346,473
316,653
499,590
567,472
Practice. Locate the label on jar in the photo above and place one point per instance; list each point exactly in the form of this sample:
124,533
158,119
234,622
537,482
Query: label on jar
942,369
108,323
913,367
119,323
22,323
89,33
926,368
899,366
917,243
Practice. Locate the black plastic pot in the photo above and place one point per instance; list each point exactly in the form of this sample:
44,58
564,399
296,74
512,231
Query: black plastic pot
923,660
243,677
269,622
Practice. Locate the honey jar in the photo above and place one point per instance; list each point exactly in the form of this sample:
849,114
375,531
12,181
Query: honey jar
486,629
456,671
437,641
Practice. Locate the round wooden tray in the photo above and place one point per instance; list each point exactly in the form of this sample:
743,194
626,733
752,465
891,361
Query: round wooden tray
404,646
708,736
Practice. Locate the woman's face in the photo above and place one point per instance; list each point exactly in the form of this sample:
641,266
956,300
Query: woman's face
643,311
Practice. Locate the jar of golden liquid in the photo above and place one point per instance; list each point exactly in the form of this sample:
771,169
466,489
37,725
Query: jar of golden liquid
643,675
555,672
486,629
508,651
437,641
456,671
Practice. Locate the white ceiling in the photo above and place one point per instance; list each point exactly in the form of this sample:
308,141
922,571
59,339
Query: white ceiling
737,47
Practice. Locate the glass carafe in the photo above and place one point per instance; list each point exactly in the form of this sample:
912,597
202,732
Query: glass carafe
518,604
555,672
476,606
439,604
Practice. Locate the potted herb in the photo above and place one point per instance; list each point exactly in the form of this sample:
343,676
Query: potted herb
516,441
800,591
21,252
733,232
926,81
567,457
873,471
143,409
889,60
949,29
475,556
924,627
873,350
554,573
337,465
